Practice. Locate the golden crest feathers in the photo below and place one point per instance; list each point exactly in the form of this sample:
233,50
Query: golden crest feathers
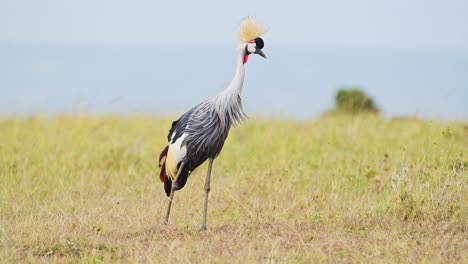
250,29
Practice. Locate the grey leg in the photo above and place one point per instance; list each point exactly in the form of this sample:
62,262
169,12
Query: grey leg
207,190
174,186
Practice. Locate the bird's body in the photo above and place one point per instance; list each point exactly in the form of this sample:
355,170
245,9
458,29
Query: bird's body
199,134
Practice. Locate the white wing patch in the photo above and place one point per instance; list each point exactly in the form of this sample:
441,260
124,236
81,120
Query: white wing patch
173,134
179,151
175,154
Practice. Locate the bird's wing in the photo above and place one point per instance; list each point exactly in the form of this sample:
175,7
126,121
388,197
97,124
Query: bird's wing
179,126
177,150
173,128
192,133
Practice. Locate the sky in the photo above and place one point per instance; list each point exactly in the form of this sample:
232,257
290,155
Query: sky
402,24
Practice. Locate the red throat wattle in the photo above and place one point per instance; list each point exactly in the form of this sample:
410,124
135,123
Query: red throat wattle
246,58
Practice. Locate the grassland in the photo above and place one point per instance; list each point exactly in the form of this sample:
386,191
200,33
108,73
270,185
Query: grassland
352,189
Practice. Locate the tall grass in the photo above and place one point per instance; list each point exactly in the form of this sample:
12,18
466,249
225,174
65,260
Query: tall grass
336,189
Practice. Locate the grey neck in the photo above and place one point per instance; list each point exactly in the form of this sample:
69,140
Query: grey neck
228,103
238,81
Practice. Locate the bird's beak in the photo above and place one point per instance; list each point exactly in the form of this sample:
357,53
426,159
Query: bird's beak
260,52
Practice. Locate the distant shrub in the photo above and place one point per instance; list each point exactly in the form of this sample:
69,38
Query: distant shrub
354,101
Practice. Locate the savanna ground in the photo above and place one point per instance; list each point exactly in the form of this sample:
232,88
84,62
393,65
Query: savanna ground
352,189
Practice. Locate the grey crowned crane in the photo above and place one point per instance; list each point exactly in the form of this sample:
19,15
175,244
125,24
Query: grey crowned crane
199,134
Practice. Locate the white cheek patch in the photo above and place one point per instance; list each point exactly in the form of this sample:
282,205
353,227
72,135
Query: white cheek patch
251,47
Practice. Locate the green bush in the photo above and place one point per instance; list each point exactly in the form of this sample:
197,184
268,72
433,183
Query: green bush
354,101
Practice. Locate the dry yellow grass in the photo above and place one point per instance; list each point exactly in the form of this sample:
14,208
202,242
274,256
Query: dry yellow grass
352,189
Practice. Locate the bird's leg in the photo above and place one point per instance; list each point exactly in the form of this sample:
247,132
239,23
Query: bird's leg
173,188
207,191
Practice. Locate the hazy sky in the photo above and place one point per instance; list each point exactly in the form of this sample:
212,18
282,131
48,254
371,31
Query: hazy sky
416,24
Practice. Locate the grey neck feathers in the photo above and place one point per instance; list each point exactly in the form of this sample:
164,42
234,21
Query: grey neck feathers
228,103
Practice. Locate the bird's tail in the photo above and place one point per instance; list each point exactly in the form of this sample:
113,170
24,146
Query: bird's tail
162,175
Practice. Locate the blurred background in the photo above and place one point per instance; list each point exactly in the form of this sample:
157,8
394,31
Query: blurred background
163,57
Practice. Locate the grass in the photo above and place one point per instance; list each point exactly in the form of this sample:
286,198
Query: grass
337,189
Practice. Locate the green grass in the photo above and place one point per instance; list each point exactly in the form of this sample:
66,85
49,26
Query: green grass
360,189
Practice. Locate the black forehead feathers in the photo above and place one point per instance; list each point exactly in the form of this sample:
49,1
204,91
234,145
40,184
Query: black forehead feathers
259,43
